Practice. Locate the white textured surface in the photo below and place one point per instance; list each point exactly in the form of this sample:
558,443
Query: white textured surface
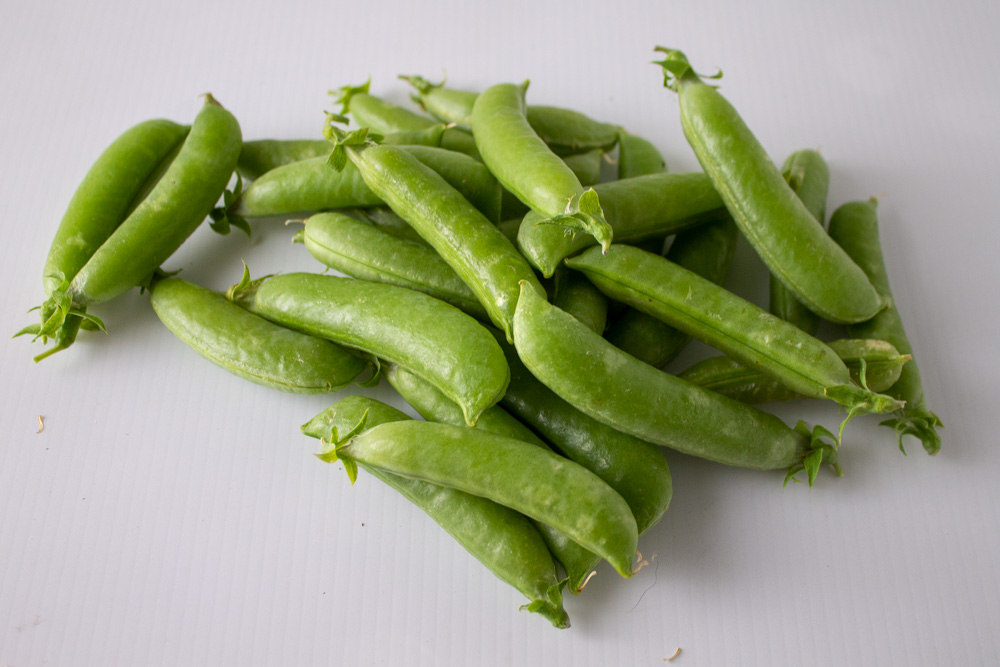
172,514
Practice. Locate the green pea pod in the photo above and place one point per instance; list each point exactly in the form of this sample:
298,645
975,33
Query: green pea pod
707,250
435,340
637,209
467,175
775,222
435,406
250,346
874,362
525,165
477,251
624,393
387,221
809,178
362,250
526,478
854,226
500,538
565,131
638,157
586,166
729,323
578,297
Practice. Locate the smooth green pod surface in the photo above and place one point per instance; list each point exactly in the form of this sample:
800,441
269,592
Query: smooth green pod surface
249,346
262,155
526,478
435,340
578,297
501,539
638,157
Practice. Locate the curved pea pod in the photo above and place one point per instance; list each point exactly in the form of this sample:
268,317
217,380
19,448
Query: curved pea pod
500,538
854,226
638,157
637,209
874,362
535,482
775,222
362,250
525,165
578,297
435,340
262,155
707,250
250,346
808,176
477,251
467,175
624,393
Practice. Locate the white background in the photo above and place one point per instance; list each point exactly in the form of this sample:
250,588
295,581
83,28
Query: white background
171,514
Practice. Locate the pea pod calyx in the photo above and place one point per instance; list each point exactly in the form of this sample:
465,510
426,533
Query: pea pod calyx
822,448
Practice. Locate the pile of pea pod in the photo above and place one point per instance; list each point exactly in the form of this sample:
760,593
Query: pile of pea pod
523,307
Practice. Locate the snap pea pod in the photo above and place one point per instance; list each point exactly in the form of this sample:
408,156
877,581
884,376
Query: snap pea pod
435,406
612,387
311,185
565,131
385,117
638,157
634,468
435,340
362,250
774,221
707,250
809,178
383,218
586,166
879,360
729,323
537,483
525,165
477,251
578,297
498,537
854,226
637,209
250,346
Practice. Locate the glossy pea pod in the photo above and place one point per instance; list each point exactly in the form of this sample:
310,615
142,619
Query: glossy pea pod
432,405
775,222
435,340
808,176
638,157
565,131
501,539
637,209
362,250
634,468
99,205
729,323
531,480
855,227
528,168
249,346
706,250
477,251
585,166
387,221
879,361
626,394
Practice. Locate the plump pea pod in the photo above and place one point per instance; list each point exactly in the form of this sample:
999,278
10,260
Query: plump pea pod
706,250
586,166
383,218
99,205
435,340
616,389
537,483
385,117
808,176
878,360
501,539
362,250
578,297
637,209
525,165
855,227
477,251
774,221
250,346
638,157
435,406
634,468
565,131
311,185
729,323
